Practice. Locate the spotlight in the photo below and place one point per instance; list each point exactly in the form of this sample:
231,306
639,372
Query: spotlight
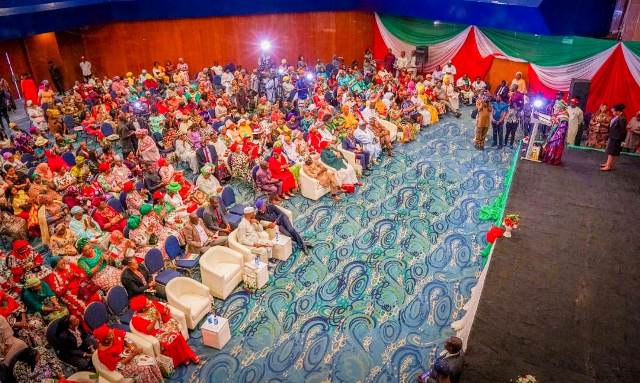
137,105
265,45
537,103
280,71
309,76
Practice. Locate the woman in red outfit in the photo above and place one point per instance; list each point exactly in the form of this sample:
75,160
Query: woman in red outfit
29,90
108,218
154,318
279,166
72,286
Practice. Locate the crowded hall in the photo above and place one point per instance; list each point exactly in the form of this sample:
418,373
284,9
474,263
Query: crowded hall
301,192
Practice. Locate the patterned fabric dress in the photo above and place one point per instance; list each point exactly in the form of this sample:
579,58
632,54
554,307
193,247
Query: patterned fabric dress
599,130
46,369
166,330
106,277
142,368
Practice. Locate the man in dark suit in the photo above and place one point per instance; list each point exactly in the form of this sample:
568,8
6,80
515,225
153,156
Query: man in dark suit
617,134
135,277
349,143
207,155
213,217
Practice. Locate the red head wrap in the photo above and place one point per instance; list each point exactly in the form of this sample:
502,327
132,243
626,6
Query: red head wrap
101,333
138,303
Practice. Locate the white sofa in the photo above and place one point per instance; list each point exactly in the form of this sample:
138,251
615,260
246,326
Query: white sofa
221,269
191,297
310,187
86,377
175,314
115,376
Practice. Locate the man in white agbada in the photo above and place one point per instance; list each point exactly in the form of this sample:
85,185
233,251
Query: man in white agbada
576,117
251,234
186,153
365,136
449,70
450,97
402,62
426,115
464,85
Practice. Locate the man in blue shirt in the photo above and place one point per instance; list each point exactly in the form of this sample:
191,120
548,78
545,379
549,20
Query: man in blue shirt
497,121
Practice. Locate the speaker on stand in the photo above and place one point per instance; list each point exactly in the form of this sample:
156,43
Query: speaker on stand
580,89
422,57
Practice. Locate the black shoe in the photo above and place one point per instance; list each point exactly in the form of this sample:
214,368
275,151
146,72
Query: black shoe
309,245
272,264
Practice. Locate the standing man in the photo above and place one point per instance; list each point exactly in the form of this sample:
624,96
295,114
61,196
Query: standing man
576,123
402,62
450,71
497,121
617,134
56,77
85,67
5,133
389,61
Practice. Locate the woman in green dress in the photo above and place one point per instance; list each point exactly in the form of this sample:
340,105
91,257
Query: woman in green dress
96,266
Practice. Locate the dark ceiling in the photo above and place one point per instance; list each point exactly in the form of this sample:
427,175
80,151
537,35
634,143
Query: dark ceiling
19,18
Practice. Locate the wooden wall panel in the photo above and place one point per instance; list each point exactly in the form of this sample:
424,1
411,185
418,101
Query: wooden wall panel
120,47
502,69
19,61
71,49
40,49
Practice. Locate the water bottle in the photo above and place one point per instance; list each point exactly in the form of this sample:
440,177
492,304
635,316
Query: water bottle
215,320
209,319
257,260
277,236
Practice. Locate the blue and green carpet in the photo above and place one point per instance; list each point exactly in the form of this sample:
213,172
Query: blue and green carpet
392,266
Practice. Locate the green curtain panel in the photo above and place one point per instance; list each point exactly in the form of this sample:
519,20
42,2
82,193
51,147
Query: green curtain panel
420,32
634,46
547,50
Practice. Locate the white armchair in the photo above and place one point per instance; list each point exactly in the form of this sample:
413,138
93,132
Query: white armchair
351,159
247,255
310,187
221,269
86,377
391,127
152,341
191,297
115,376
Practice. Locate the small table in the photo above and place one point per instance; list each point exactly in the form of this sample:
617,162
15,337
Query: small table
215,335
281,248
255,275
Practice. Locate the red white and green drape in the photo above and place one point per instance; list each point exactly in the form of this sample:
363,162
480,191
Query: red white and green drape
551,61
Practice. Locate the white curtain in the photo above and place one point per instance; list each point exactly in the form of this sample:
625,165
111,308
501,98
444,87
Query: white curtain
439,53
633,63
559,77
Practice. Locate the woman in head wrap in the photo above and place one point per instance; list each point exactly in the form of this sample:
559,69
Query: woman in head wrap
43,170
71,285
239,164
147,148
50,213
85,227
81,169
138,233
24,261
118,354
121,247
345,173
95,266
30,328
279,167
554,147
135,198
62,179
39,299
154,318
62,242
107,217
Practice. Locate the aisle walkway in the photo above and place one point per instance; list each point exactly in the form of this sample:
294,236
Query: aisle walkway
391,269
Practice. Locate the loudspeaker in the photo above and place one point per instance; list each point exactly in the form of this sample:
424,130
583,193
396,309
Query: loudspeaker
580,90
422,55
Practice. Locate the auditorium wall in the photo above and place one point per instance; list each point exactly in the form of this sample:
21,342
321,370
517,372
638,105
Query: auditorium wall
117,48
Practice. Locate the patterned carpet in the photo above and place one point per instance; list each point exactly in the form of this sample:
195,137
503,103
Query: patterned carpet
391,269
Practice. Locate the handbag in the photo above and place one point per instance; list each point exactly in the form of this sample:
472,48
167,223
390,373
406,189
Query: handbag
348,188
166,365
474,113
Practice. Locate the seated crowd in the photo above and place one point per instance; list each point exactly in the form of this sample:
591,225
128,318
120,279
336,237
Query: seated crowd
117,167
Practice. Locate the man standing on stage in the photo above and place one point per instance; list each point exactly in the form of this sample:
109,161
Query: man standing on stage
85,67
576,123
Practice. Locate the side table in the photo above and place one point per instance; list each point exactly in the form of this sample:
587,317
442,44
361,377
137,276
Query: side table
215,335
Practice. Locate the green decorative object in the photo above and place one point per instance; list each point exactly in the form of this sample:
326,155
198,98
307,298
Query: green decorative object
419,31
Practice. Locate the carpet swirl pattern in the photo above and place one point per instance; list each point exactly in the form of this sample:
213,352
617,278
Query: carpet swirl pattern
392,266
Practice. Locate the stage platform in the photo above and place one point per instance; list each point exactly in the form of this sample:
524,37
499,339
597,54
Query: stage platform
562,297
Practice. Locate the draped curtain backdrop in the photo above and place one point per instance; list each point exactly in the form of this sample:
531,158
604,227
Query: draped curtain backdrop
551,61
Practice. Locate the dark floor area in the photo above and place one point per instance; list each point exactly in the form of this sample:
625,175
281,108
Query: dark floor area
562,297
